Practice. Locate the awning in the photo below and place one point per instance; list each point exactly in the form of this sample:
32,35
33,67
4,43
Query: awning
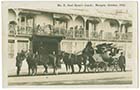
13,22
94,20
127,23
61,17
48,39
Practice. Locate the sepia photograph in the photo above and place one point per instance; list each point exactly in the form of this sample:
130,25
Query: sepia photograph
69,43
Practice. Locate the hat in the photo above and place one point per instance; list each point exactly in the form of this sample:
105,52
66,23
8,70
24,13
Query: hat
121,52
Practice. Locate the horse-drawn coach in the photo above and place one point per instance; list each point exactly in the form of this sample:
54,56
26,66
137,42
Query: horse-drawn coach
45,51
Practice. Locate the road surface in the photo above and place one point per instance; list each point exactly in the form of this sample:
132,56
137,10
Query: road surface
107,78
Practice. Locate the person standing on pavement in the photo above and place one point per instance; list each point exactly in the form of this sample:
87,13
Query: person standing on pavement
122,62
18,63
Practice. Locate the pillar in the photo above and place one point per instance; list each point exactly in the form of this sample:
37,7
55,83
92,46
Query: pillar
33,31
29,44
120,26
90,30
73,46
85,20
25,25
15,48
102,21
123,28
73,19
17,11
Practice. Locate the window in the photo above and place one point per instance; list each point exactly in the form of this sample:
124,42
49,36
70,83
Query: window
22,45
10,48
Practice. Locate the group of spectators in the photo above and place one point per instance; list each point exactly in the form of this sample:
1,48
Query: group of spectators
52,30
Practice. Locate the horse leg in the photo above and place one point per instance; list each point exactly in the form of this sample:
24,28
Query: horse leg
66,65
18,70
35,70
69,68
46,69
88,69
105,68
97,69
116,67
54,70
29,67
113,68
72,67
32,71
85,67
79,67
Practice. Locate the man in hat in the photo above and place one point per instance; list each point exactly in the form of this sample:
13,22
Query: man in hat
88,52
122,62
18,63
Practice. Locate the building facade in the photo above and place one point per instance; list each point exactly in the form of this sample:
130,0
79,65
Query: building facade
77,26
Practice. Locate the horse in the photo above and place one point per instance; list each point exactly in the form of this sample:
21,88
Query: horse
70,60
86,57
34,60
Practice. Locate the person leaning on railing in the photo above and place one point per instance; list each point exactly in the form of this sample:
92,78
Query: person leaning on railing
70,32
11,29
81,31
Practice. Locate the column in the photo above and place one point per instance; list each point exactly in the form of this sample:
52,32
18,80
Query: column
102,20
103,34
29,45
17,17
90,30
73,19
33,31
94,28
123,28
15,48
120,26
25,25
85,20
73,46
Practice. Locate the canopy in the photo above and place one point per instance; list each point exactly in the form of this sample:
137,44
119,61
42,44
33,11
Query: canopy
46,44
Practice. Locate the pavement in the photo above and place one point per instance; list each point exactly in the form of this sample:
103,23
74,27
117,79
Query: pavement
92,78
24,70
104,78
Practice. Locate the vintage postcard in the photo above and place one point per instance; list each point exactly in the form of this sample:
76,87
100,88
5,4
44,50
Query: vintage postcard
70,43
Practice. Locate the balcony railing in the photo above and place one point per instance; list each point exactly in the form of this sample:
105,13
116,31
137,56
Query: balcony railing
71,33
112,36
79,34
12,30
24,30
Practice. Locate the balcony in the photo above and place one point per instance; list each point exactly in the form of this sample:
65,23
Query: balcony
70,34
108,36
12,30
81,34
55,31
24,31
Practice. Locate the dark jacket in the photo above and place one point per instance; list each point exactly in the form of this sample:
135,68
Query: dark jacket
18,61
122,61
